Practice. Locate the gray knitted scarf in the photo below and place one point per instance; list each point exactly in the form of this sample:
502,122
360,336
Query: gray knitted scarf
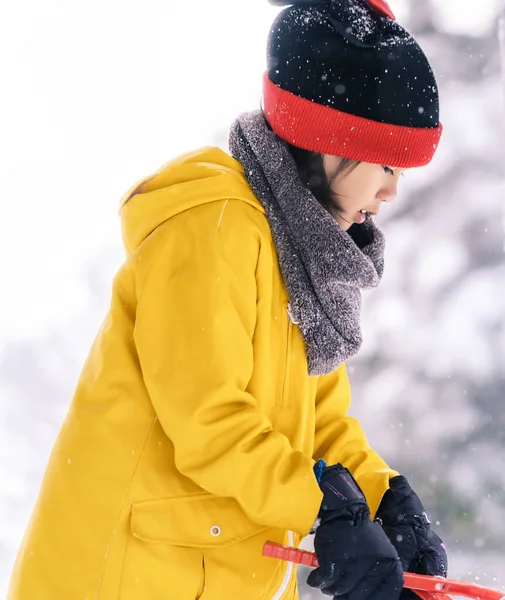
324,270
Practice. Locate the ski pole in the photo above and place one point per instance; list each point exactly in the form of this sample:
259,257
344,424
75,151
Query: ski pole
425,586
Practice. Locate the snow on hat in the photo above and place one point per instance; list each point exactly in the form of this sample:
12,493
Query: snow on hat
344,78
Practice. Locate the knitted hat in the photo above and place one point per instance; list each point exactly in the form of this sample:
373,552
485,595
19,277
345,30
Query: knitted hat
344,78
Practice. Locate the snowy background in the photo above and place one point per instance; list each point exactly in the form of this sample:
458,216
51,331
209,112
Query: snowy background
96,95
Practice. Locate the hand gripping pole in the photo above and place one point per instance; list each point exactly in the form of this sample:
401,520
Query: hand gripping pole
425,586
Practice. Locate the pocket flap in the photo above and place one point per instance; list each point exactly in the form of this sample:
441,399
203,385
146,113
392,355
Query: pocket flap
198,521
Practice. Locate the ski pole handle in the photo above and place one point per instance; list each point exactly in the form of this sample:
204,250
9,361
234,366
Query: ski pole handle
426,586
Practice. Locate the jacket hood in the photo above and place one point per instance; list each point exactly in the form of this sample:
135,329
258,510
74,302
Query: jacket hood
196,178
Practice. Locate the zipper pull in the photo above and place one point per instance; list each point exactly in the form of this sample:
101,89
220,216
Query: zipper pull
290,314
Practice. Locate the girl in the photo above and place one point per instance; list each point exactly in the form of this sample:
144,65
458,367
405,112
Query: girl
217,381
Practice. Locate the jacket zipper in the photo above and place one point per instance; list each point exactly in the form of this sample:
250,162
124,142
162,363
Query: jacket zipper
288,359
289,572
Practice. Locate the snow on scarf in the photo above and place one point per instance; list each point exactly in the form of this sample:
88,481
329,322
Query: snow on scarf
323,268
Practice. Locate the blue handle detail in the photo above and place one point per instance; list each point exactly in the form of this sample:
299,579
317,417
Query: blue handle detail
319,467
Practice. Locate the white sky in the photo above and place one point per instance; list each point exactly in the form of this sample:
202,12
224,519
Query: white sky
95,95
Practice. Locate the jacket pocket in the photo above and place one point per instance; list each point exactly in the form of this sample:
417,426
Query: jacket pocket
200,521
164,557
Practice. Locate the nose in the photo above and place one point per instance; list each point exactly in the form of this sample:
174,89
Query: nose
388,193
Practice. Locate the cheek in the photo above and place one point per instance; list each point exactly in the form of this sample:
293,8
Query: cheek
358,191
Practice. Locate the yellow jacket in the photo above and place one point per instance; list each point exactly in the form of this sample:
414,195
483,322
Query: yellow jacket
194,427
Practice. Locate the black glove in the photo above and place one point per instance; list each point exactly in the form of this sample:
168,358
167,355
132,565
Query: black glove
356,559
407,525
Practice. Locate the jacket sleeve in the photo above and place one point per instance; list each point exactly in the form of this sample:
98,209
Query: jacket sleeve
340,439
194,329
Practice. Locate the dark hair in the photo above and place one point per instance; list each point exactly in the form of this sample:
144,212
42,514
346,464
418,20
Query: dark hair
311,170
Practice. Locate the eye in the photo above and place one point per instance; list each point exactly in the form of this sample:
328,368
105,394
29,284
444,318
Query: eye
388,170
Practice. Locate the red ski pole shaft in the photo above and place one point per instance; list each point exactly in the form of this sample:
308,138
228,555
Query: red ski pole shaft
428,587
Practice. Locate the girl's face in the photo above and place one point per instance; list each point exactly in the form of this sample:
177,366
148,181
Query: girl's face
362,189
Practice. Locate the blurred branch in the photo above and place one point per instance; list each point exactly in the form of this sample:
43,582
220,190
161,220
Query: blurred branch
460,57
